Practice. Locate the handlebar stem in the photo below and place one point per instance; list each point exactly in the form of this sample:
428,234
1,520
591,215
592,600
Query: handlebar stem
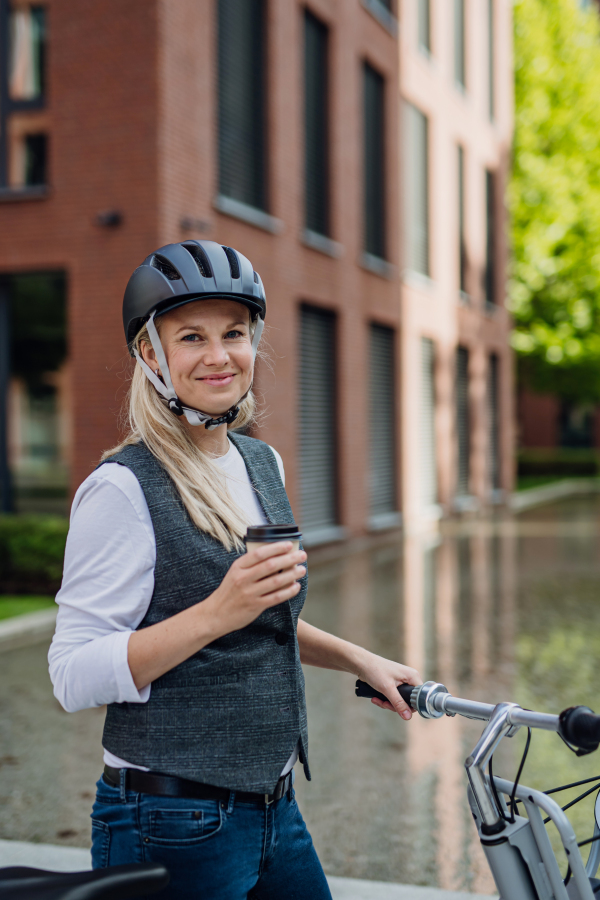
498,726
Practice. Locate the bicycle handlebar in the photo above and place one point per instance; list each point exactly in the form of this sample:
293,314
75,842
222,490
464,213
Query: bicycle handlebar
578,725
581,727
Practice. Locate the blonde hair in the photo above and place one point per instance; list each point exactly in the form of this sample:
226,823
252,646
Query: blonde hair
199,481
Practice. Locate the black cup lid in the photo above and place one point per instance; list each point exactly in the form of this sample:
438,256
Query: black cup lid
273,533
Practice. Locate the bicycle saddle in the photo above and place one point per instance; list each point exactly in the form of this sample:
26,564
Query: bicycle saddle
114,883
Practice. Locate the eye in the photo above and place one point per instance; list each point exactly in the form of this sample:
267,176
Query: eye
234,334
190,338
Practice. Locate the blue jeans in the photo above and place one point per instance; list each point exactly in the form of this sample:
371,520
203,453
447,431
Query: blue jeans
213,850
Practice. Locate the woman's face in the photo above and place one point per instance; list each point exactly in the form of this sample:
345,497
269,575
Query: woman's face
208,348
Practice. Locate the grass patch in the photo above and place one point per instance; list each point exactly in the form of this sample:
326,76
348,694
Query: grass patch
524,482
16,606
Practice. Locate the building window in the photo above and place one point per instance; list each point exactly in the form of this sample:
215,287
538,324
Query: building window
383,421
490,238
34,423
424,25
459,43
428,449
35,156
416,190
241,101
27,53
463,423
491,62
374,161
23,147
462,244
318,452
493,400
316,142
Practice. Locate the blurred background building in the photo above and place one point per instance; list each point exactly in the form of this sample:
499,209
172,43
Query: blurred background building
355,150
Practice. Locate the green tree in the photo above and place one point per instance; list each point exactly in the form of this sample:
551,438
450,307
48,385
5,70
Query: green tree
554,198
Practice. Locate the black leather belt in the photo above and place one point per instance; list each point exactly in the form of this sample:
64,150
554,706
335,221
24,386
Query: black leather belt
172,786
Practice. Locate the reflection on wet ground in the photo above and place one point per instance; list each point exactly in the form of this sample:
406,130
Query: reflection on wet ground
496,609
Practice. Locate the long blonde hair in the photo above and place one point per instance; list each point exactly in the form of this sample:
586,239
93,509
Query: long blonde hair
199,481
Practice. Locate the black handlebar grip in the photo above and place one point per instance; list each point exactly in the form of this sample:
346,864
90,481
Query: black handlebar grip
581,727
365,690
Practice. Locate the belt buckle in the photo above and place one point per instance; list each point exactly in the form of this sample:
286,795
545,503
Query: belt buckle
271,801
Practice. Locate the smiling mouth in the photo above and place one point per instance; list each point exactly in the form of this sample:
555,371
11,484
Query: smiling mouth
224,378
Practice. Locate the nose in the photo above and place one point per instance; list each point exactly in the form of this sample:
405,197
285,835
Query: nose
216,354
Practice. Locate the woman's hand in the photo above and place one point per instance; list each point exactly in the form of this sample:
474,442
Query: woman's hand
385,675
261,578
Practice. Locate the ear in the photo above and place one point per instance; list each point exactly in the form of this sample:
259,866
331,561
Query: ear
148,355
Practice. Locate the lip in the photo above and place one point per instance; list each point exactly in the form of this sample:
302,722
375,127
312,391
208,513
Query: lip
218,380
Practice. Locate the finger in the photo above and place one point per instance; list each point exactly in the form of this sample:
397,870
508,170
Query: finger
275,565
280,596
258,554
381,704
397,702
281,580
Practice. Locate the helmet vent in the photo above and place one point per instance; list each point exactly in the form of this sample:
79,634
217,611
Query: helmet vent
200,258
256,279
165,267
233,262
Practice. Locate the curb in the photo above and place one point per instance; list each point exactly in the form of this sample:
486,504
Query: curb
30,628
546,493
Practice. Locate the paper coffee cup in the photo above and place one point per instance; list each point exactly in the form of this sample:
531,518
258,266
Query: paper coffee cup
257,535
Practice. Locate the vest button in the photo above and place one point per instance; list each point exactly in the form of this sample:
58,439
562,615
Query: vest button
282,638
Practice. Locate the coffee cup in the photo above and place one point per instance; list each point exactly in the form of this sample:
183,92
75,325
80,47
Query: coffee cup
258,535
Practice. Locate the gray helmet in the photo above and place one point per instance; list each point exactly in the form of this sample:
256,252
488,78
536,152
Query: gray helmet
181,273
193,270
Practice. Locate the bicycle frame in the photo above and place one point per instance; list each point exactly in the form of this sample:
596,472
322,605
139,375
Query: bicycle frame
519,853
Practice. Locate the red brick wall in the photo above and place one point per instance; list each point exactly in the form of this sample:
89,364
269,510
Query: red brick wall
102,114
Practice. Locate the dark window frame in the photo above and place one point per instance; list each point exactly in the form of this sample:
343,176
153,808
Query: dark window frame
7,104
490,287
258,165
373,326
333,315
460,44
374,95
317,177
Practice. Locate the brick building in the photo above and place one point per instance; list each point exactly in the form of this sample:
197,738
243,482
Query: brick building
312,138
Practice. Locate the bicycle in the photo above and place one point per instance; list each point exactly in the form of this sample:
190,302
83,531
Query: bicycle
517,846
114,883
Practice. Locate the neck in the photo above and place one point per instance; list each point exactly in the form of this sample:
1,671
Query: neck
214,442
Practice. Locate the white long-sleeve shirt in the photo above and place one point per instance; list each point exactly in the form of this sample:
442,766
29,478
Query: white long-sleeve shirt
108,583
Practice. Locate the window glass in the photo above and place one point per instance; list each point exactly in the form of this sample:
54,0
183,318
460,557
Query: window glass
416,189
241,101
424,24
383,421
316,125
27,35
459,42
374,162
490,235
462,246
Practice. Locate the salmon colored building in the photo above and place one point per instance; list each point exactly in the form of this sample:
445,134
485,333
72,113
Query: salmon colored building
322,145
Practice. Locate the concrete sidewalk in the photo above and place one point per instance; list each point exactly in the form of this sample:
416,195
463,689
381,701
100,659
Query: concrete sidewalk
72,859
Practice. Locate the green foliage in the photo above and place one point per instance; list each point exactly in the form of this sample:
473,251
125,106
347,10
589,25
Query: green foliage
554,197
31,552
18,606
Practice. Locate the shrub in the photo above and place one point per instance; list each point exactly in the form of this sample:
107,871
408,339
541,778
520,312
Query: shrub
564,462
32,550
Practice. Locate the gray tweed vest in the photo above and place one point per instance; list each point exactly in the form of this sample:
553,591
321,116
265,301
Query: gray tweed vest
231,714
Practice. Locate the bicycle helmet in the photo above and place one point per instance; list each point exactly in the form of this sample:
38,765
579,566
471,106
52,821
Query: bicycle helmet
181,273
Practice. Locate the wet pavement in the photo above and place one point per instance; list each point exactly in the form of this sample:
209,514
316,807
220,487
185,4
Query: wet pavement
504,609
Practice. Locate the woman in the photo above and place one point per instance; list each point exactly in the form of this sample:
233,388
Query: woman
194,645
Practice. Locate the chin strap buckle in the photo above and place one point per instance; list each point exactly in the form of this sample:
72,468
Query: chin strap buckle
176,407
227,419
